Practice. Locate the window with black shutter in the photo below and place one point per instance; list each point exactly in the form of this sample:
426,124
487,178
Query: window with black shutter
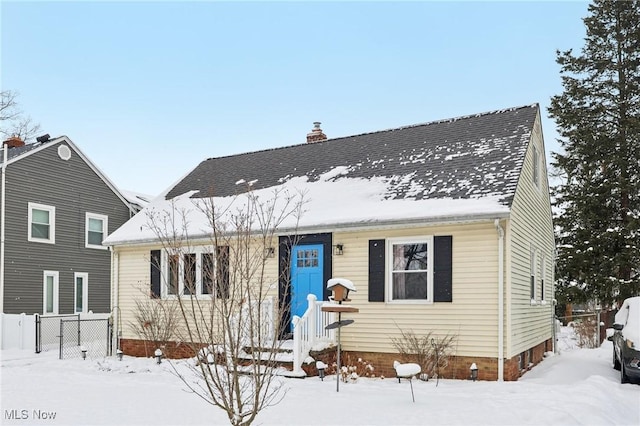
408,263
376,270
442,270
222,272
155,273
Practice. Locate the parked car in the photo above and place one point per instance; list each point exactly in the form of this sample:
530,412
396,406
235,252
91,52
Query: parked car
626,340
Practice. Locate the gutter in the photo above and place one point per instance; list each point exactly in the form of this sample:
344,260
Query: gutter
500,300
348,227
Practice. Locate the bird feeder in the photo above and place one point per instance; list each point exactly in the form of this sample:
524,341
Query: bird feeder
340,288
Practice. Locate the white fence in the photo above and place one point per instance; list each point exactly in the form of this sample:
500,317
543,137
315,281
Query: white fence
18,331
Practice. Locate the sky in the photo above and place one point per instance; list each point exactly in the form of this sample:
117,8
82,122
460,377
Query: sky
573,387
148,90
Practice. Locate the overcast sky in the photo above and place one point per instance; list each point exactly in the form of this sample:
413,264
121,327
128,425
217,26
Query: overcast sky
148,90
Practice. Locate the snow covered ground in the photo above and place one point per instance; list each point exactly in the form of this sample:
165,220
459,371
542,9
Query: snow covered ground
575,387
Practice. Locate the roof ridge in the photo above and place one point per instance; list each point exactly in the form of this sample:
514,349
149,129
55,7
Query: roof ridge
410,126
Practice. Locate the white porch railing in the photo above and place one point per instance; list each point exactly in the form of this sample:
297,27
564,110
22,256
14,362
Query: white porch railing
243,323
309,331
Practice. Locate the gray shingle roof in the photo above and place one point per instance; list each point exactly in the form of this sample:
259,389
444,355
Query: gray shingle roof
465,157
19,150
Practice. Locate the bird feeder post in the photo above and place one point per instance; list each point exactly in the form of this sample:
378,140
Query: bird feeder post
340,288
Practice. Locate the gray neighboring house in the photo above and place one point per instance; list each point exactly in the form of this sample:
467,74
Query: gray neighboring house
56,207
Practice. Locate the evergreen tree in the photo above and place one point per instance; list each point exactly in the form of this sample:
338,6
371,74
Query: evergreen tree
598,119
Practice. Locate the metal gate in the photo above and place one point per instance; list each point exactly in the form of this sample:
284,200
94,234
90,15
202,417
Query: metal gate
85,338
72,335
48,331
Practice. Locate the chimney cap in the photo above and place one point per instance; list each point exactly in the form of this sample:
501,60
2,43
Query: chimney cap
316,134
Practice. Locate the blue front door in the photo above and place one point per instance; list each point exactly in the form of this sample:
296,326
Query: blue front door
306,276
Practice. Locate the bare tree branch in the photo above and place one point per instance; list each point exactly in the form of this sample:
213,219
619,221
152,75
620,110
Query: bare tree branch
226,293
13,121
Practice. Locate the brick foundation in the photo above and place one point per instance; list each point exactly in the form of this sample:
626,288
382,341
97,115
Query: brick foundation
145,348
458,367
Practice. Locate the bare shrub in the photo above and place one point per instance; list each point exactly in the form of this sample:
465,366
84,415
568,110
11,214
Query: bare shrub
586,330
351,368
155,321
429,351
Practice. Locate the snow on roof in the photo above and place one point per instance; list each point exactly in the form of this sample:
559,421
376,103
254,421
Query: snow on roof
452,170
348,284
136,198
329,203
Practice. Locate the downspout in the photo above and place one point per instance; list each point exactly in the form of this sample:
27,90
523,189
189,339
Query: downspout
2,225
114,286
500,300
554,302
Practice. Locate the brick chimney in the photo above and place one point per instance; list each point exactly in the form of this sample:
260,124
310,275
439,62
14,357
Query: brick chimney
13,142
316,134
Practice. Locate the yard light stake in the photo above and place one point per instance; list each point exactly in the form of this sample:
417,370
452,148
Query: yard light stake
119,354
84,352
320,366
158,354
474,372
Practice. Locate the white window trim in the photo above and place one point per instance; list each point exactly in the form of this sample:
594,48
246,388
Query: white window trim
52,223
105,227
389,269
533,272
56,277
164,288
85,292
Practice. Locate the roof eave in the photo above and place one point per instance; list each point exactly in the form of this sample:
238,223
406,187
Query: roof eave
354,226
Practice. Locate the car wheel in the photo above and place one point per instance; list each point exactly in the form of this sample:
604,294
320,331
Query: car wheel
616,363
623,376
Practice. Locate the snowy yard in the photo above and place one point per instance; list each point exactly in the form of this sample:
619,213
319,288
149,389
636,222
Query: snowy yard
576,387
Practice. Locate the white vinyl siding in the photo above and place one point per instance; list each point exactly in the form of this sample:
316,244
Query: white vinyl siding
471,316
42,223
529,324
96,226
133,266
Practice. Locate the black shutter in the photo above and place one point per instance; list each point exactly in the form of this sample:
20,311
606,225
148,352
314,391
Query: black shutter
222,272
376,270
442,281
156,276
